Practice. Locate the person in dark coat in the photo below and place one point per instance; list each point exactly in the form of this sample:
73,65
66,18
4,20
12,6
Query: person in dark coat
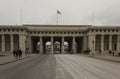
14,53
19,53
99,51
110,52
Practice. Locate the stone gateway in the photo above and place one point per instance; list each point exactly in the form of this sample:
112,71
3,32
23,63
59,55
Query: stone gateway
62,38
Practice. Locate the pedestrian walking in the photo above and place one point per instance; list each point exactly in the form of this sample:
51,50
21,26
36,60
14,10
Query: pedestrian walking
14,53
110,52
19,53
100,52
113,53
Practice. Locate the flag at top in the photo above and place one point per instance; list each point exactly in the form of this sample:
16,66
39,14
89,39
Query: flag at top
58,12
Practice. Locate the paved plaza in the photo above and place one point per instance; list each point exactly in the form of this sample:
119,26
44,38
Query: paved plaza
61,66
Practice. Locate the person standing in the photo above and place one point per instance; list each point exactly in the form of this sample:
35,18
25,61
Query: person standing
19,53
100,52
110,52
14,53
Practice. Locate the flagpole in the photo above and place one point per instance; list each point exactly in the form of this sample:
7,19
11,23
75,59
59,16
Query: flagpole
93,17
21,16
57,19
58,12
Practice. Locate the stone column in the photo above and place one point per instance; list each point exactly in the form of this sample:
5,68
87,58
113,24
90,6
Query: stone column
102,42
62,44
3,43
41,46
118,43
84,42
110,42
73,44
28,43
91,42
52,44
11,41
22,39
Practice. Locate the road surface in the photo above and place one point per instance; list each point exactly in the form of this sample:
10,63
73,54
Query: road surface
61,66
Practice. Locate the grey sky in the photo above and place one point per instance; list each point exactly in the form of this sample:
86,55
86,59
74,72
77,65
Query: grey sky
106,12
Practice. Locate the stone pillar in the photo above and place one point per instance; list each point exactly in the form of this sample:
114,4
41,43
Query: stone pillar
22,39
62,44
41,45
73,45
3,43
102,42
11,41
84,42
118,43
91,42
28,43
110,42
52,44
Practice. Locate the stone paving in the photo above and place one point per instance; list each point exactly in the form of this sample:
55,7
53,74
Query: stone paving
8,58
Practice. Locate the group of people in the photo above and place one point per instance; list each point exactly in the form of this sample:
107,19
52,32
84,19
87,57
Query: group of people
17,53
111,52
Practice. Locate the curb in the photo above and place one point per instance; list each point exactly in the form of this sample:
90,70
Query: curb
107,59
103,59
14,61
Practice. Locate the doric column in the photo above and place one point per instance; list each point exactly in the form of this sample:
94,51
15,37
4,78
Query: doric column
3,43
110,42
22,39
118,43
11,41
73,44
84,42
41,46
102,42
28,43
62,44
52,44
91,42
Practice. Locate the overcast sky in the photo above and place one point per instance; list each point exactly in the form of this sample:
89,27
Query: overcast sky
75,12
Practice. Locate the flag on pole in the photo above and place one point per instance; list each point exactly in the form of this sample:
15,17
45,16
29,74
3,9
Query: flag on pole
58,12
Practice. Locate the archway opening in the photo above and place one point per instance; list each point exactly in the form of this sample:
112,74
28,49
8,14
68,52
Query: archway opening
48,47
66,47
57,47
35,44
79,44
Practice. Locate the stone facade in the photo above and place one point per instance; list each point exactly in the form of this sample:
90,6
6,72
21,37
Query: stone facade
79,37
